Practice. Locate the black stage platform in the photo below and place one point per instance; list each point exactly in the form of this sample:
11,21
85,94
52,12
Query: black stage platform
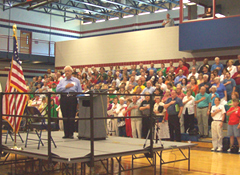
72,151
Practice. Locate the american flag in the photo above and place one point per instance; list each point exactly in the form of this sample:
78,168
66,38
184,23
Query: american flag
14,104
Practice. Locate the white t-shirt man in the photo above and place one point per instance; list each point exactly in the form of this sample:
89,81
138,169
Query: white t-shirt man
170,22
219,115
191,74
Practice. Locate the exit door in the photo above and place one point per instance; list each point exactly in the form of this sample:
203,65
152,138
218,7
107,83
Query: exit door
25,42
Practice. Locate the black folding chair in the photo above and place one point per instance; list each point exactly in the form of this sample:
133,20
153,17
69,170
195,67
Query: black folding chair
38,126
10,133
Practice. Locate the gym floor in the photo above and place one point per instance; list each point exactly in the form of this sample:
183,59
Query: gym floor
203,162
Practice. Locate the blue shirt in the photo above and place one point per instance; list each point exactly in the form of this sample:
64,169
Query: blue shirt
61,87
155,70
216,95
150,90
176,81
215,66
204,103
229,87
174,108
220,90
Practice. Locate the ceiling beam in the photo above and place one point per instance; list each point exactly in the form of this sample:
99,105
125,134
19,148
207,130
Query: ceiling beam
26,3
99,6
85,10
149,4
40,4
124,5
54,14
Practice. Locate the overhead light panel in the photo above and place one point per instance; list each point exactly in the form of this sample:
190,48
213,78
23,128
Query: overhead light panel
191,3
102,20
128,16
159,11
111,19
144,13
176,8
86,23
186,1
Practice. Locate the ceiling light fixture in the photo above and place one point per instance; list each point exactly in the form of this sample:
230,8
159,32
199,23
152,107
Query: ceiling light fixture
128,16
86,23
163,10
111,19
102,20
144,13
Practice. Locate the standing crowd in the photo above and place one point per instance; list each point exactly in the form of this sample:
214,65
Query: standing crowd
180,95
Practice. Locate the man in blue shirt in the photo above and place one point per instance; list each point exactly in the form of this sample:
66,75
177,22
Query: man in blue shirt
217,66
150,89
174,108
179,78
230,85
68,102
213,94
203,105
152,68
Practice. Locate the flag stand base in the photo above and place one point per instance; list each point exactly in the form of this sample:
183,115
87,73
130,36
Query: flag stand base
16,148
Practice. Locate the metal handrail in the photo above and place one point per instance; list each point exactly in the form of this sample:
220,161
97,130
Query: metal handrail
91,96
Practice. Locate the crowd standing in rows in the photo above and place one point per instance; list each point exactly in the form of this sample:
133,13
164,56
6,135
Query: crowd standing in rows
181,94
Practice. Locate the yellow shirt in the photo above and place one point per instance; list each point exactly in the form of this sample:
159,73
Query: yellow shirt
142,87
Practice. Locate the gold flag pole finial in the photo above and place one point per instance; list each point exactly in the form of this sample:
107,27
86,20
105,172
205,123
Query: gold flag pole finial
14,29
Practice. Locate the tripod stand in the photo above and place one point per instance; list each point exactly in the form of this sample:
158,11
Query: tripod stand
156,129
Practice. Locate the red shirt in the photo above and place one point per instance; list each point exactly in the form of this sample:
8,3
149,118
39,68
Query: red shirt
187,65
181,95
128,123
184,68
167,70
234,117
237,79
93,81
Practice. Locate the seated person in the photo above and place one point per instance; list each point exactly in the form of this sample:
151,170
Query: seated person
208,13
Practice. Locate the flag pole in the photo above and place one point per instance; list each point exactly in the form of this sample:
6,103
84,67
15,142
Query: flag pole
15,105
15,123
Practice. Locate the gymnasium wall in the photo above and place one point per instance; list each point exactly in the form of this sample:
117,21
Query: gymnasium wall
157,45
138,22
44,28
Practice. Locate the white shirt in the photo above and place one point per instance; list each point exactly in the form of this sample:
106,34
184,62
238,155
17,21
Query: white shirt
191,74
37,102
0,87
115,110
232,70
45,87
155,108
189,105
171,22
219,115
117,82
137,77
163,87
119,111
222,77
